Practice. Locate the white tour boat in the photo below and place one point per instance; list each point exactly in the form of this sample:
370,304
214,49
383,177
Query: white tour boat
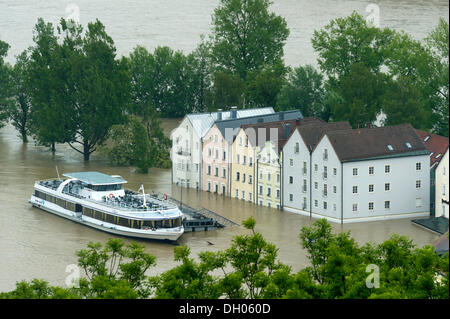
98,200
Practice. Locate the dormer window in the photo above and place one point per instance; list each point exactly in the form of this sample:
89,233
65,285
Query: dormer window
408,145
426,138
389,146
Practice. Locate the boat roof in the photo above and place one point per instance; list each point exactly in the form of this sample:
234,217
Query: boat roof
96,178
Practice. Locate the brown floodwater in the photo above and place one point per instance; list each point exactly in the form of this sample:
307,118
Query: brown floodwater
37,244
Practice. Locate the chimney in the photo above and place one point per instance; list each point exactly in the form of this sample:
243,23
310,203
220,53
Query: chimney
219,114
287,130
233,112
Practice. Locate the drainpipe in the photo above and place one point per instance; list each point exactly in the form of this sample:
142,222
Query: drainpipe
280,160
257,177
310,182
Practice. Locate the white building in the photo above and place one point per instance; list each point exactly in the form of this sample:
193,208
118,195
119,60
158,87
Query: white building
442,186
297,164
364,175
187,143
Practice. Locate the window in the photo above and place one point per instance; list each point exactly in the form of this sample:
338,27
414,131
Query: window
316,185
240,141
387,186
408,145
355,190
249,197
278,193
316,203
305,170
325,172
261,189
387,168
316,167
418,202
237,158
269,176
297,148
443,190
250,161
208,172
418,166
245,160
355,207
418,184
304,187
325,205
250,179
325,154
291,162
291,180
243,178
370,188
370,205
260,174
278,178
269,191
243,195
387,204
371,170
209,152
355,172
217,153
334,207
389,146
238,175
291,197
224,157
224,172
334,171
246,142
216,171
260,202
325,190
334,189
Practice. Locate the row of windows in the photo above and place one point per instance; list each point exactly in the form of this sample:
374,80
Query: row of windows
121,221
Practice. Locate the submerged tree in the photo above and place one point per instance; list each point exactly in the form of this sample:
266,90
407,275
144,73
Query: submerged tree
20,107
4,83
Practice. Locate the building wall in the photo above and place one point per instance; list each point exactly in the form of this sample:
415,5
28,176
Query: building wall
442,186
326,180
215,168
268,177
242,162
404,199
186,155
294,196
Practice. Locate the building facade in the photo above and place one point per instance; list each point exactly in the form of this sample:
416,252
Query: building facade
442,186
187,143
297,165
376,174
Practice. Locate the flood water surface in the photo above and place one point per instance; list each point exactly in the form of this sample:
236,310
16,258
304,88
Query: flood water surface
37,244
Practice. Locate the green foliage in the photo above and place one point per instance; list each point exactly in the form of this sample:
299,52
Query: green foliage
20,108
303,91
339,269
138,144
246,36
4,83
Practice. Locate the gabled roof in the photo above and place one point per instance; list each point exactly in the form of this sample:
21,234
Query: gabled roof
227,127
312,132
436,144
202,122
378,142
96,178
263,132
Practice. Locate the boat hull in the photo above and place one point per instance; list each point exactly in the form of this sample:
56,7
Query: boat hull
170,234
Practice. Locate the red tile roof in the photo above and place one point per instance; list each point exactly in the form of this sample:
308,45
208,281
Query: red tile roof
436,144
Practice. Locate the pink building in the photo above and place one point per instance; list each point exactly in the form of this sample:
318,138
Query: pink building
215,162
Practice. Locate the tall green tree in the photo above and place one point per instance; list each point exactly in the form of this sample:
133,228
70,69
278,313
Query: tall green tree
50,122
4,83
20,108
349,40
359,96
96,85
304,91
438,43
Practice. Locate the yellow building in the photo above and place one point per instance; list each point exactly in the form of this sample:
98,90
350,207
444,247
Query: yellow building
243,168
268,167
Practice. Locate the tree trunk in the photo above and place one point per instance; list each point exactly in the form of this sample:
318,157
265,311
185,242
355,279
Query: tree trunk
86,153
53,147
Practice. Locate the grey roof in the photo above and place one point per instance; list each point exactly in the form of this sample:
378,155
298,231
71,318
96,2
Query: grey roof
311,132
228,128
96,178
202,122
378,142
